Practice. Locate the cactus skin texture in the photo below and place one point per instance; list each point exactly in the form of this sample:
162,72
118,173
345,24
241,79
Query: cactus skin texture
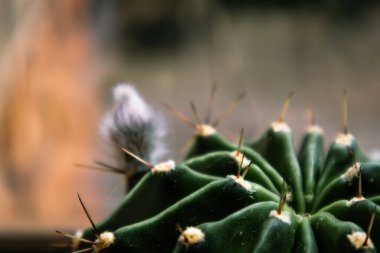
259,197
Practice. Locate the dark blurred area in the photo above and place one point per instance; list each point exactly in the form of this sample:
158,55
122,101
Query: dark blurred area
60,59
166,24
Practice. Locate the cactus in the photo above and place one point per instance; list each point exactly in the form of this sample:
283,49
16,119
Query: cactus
254,196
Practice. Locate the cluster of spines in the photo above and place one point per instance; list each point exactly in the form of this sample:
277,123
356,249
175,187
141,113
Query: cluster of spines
222,215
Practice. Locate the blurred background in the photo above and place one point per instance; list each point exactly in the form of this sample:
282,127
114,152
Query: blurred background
60,59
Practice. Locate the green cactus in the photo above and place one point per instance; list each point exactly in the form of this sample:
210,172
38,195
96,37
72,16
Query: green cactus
260,196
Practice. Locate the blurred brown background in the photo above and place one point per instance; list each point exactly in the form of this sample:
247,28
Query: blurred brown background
59,60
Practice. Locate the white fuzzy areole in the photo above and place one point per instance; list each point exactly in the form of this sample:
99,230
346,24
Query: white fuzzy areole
344,139
315,129
289,196
309,198
280,126
357,239
240,180
75,242
104,241
354,200
351,172
132,123
191,236
205,130
284,216
164,167
239,157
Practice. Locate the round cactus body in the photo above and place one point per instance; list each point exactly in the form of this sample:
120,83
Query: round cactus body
261,196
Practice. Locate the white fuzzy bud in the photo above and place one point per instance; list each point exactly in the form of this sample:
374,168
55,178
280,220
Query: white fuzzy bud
134,125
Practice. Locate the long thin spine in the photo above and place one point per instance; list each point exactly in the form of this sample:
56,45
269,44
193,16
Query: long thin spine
370,225
149,165
210,102
231,107
96,231
285,107
345,112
